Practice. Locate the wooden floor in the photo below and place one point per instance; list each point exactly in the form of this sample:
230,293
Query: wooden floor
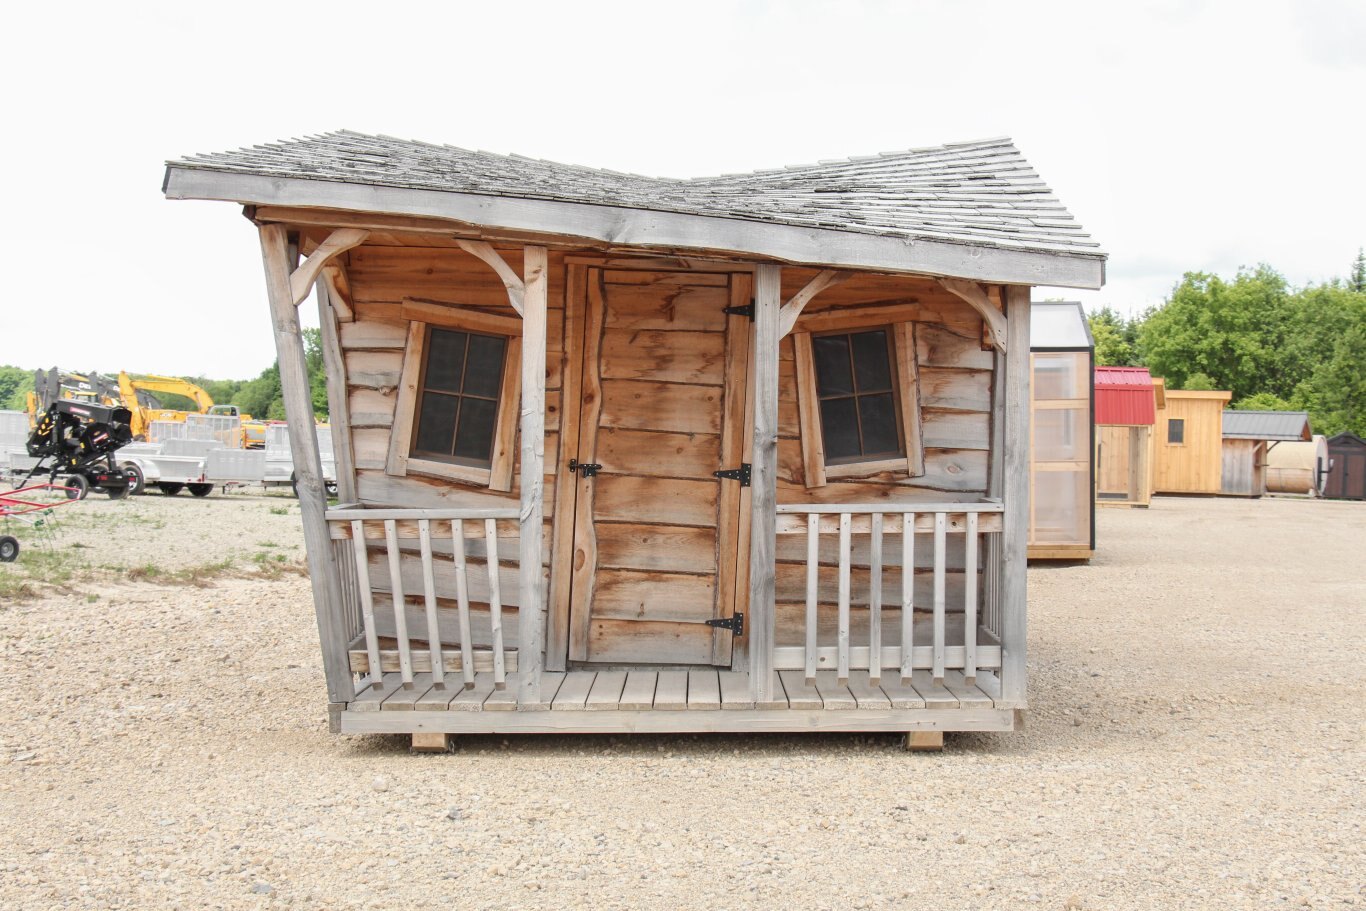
682,700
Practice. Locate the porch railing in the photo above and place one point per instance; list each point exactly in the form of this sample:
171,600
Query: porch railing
894,580
377,585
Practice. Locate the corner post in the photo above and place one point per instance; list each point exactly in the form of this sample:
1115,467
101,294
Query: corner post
334,365
303,441
763,537
1015,535
531,611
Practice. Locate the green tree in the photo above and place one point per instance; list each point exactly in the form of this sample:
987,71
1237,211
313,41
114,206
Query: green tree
14,383
1358,280
1116,338
1263,401
1198,382
262,397
1235,333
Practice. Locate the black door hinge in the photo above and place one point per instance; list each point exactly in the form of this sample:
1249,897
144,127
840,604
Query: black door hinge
588,468
743,310
735,623
740,474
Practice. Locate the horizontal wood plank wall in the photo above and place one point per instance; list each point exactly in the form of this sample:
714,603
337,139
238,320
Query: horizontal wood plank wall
382,273
955,401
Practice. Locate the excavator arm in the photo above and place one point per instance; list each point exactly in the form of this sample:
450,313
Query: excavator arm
168,384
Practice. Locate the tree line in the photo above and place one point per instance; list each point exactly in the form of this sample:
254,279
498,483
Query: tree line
1275,347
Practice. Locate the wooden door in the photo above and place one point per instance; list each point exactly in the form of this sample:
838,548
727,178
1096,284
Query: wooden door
655,533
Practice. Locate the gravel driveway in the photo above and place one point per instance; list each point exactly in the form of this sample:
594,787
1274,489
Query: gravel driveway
1195,741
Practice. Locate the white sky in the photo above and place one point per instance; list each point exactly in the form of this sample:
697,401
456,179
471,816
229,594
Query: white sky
1183,136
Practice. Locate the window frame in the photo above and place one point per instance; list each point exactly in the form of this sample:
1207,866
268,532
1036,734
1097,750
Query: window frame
1180,422
424,316
905,393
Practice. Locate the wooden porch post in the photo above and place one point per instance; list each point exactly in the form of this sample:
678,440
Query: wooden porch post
303,441
531,612
1015,534
763,538
334,364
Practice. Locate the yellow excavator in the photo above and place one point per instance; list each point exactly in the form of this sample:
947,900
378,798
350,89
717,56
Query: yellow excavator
253,432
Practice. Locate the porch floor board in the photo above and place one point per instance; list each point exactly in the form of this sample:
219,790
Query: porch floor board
704,690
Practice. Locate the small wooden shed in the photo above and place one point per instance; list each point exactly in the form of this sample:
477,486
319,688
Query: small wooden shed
1248,436
617,453
1188,449
1127,402
1347,468
1062,506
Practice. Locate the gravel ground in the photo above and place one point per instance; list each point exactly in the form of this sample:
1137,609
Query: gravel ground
1196,741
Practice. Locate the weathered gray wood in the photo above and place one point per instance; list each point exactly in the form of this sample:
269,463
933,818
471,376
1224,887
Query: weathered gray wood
704,690
462,595
573,693
855,509
933,691
787,317
516,286
639,692
472,699
939,604
351,513
764,480
735,691
405,657
1015,537
327,597
438,674
813,544
671,691
801,694
646,229
339,412
834,692
875,600
550,687
976,297
367,601
496,602
605,696
970,599
842,641
902,694
867,693
531,616
907,597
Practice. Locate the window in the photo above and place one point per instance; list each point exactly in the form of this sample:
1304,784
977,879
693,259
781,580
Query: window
858,402
1176,431
457,408
456,415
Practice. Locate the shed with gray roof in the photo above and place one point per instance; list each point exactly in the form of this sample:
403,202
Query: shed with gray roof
1248,437
622,453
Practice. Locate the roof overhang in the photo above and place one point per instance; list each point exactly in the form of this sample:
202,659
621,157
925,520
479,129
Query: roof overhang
648,229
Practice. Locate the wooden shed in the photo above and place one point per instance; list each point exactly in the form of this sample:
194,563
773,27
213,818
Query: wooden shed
1127,402
1188,453
1062,506
1347,468
620,453
1248,436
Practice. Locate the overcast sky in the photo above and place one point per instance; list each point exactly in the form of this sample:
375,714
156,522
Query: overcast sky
1183,136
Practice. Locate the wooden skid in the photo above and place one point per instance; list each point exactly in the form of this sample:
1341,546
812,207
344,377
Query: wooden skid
679,701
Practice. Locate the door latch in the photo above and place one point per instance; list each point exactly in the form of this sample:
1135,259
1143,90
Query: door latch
588,468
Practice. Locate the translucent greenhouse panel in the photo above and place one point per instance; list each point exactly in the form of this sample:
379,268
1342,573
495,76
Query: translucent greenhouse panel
1061,448
1061,507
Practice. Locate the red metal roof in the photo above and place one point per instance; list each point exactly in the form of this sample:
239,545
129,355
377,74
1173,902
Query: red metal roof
1124,395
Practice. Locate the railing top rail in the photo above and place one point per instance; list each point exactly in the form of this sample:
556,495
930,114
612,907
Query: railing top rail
354,513
887,508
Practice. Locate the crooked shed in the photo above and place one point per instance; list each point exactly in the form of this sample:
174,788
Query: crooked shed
1247,437
1062,508
1188,442
621,453
1127,402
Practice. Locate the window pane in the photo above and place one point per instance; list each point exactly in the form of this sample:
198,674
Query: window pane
1176,430
445,360
872,363
475,437
831,354
484,372
436,423
879,424
839,426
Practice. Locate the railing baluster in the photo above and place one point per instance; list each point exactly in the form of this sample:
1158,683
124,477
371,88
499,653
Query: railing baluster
970,600
813,559
907,595
424,535
940,558
462,596
367,602
843,660
495,602
405,658
875,600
